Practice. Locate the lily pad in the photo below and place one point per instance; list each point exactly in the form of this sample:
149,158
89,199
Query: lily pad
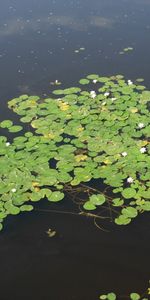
6,124
97,199
129,212
128,193
56,196
89,205
84,81
135,296
15,128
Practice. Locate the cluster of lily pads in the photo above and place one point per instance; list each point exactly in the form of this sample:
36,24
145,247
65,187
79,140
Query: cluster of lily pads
132,296
100,131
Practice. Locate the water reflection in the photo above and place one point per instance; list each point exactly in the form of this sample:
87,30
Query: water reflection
38,42
41,25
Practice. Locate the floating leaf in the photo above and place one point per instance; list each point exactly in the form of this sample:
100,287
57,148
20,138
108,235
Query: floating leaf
111,296
135,296
128,193
26,208
15,128
93,76
122,220
84,81
6,124
56,196
89,205
118,202
97,199
129,212
146,206
103,297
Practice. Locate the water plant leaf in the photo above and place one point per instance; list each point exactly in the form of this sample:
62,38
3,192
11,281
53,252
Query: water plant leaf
26,208
6,124
84,81
111,296
56,196
122,220
129,212
93,76
118,202
15,128
128,193
135,296
89,205
103,297
97,199
146,206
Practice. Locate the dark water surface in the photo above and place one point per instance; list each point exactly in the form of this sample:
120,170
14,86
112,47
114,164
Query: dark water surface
38,40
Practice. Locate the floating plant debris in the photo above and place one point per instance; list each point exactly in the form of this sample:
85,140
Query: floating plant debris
96,131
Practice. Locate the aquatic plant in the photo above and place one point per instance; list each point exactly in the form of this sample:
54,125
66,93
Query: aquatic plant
112,296
99,131
132,296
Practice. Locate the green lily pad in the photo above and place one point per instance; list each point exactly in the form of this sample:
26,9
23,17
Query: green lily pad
122,220
89,205
84,81
111,296
93,76
6,124
135,296
56,196
129,212
15,128
118,202
97,199
26,208
146,206
103,297
128,193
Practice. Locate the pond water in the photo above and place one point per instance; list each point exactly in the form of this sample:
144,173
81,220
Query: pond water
44,41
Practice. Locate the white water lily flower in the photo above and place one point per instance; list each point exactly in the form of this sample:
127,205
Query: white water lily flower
124,154
113,99
13,190
106,94
103,103
130,179
130,82
143,150
7,144
93,94
94,80
141,125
